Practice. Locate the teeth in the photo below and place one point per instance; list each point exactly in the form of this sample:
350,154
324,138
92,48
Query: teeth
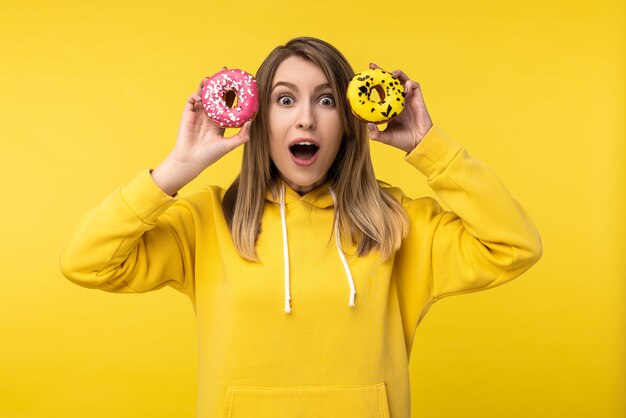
305,143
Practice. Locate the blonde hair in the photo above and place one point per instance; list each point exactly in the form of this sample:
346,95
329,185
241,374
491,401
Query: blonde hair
368,214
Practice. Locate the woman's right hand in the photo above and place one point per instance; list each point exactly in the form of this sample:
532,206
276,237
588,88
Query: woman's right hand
200,143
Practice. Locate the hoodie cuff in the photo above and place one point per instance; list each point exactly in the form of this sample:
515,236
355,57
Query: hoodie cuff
434,153
145,199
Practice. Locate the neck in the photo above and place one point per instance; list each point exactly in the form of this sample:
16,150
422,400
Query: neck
302,190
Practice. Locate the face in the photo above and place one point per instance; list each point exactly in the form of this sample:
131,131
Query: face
304,124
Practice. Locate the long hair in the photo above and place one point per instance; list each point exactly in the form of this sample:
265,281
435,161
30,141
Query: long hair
368,214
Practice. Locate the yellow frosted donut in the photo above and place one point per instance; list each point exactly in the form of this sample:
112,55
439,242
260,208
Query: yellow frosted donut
369,108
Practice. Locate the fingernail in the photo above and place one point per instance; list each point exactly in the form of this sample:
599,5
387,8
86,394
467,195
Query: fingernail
371,126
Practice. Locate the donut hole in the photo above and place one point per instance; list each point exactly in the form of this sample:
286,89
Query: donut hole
377,94
230,97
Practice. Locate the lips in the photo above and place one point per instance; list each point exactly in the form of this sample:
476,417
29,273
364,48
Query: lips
304,151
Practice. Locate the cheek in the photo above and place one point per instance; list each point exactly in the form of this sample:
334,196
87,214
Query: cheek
277,123
271,122
274,149
274,132
336,133
336,148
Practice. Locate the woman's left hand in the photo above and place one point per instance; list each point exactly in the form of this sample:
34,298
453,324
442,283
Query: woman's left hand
407,129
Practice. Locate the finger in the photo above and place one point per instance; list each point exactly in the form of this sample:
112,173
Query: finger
417,90
231,143
192,102
399,74
413,88
199,92
411,85
377,67
408,90
376,134
236,140
244,132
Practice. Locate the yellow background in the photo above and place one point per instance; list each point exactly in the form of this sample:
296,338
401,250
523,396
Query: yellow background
92,94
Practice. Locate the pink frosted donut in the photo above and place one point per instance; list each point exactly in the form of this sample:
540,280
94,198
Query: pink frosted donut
221,87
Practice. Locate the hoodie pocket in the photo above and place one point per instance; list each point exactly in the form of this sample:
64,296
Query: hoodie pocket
361,401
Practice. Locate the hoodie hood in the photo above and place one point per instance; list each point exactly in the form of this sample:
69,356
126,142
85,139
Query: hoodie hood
322,197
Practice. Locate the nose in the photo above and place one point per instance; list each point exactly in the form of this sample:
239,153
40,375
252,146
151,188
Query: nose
306,117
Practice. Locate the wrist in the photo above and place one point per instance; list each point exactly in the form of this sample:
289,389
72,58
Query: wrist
171,176
412,144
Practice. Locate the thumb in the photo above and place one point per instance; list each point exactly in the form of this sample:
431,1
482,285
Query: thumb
241,137
377,135
244,132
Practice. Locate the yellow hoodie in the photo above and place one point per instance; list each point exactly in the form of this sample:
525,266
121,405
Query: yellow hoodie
310,330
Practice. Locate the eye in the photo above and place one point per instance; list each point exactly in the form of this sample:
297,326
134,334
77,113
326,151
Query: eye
327,101
285,100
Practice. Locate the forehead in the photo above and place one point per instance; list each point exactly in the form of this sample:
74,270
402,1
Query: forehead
298,71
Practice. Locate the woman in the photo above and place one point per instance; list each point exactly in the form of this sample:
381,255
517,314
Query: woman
308,278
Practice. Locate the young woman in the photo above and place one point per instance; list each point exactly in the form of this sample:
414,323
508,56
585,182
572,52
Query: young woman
307,276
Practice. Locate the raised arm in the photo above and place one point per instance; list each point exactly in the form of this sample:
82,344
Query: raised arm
199,144
485,238
138,239
141,237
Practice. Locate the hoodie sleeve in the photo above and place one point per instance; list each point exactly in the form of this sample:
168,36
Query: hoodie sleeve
138,239
485,239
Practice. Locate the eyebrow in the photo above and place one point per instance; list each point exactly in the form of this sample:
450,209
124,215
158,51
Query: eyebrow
294,87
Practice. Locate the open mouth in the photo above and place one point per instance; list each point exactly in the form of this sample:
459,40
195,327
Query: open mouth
304,152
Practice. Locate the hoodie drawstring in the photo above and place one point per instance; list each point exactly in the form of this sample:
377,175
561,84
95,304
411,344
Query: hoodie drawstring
286,250
342,256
